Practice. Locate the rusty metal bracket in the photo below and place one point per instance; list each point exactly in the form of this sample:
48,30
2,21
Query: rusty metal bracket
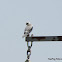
43,38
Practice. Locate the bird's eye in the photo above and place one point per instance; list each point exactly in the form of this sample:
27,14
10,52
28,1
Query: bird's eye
26,23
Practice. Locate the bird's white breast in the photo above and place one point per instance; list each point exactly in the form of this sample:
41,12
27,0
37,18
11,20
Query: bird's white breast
28,28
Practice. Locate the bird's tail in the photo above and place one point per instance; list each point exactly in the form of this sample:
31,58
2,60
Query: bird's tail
25,35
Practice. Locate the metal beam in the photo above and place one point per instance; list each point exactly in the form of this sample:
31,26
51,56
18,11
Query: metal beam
44,38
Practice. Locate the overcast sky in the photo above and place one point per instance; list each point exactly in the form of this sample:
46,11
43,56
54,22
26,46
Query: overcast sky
46,17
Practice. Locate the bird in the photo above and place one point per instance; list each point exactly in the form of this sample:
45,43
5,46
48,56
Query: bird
28,29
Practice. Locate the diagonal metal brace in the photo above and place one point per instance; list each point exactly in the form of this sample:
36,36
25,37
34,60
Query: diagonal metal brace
44,38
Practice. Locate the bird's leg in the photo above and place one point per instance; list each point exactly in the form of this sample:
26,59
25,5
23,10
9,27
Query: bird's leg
31,35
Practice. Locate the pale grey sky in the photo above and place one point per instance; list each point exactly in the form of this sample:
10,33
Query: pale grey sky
46,17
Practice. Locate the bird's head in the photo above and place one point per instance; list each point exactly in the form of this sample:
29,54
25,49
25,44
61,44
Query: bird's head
27,23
